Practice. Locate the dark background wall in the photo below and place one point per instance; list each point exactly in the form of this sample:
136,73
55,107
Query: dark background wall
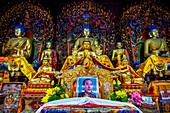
55,6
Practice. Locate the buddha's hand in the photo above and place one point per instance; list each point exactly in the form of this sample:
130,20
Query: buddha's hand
74,52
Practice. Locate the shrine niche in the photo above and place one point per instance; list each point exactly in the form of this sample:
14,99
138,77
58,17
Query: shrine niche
138,29
72,20
37,22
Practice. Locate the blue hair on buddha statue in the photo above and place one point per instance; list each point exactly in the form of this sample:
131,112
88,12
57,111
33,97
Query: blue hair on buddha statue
21,27
86,26
49,42
152,27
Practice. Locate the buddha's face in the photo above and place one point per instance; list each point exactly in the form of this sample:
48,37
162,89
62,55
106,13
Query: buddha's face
48,46
45,62
86,45
18,32
86,31
155,33
119,45
125,62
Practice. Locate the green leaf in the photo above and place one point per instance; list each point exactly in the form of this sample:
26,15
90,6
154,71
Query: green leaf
125,99
65,84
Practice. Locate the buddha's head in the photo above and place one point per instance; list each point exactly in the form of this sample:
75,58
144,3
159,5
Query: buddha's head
119,45
125,62
45,61
86,30
19,31
153,31
49,45
86,45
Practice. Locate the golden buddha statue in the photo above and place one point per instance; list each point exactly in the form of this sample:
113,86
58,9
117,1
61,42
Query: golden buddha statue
128,75
19,45
119,54
84,54
86,30
51,55
43,73
153,49
87,54
19,49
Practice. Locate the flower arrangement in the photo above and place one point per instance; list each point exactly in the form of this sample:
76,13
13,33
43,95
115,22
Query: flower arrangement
136,99
122,96
55,93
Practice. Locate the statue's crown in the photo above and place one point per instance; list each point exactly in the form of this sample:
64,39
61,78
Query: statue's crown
21,27
152,27
86,26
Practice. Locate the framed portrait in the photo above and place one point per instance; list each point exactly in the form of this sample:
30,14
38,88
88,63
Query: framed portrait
87,86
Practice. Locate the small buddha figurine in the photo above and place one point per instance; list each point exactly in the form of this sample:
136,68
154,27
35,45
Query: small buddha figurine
86,30
19,49
51,55
154,48
99,54
40,76
10,99
119,54
128,75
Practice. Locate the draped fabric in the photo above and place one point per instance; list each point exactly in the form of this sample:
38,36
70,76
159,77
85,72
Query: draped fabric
25,67
150,63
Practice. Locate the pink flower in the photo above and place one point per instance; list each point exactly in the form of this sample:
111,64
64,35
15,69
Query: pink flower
163,32
146,18
42,31
139,103
132,32
131,100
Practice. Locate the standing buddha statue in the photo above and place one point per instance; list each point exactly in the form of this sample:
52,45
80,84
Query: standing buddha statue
119,54
50,54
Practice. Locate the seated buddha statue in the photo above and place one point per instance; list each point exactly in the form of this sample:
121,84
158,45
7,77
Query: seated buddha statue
45,72
51,55
86,31
10,99
86,52
119,54
19,48
128,75
154,50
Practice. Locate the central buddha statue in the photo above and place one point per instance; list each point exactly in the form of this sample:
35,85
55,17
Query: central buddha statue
86,30
86,52
19,48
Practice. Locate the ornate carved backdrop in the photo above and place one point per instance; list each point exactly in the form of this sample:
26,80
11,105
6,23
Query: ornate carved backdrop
135,24
71,21
37,21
